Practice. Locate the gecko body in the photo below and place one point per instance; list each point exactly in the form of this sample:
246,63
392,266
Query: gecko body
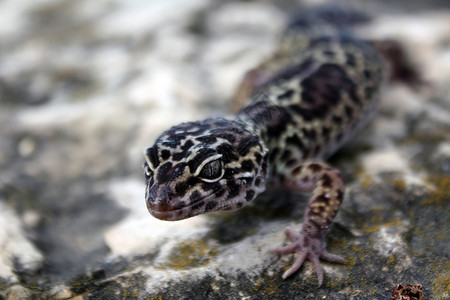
318,89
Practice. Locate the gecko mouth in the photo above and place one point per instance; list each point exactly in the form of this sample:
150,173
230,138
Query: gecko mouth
163,212
209,203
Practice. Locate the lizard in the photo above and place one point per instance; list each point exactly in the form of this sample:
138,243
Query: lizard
318,89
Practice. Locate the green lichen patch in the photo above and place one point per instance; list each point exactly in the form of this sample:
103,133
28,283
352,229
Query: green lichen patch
192,254
130,286
440,194
441,280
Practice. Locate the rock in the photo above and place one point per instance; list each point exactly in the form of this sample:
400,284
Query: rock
18,252
85,88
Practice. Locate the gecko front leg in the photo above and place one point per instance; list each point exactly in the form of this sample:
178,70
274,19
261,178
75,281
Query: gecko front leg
327,189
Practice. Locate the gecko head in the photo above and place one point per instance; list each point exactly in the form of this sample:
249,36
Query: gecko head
199,167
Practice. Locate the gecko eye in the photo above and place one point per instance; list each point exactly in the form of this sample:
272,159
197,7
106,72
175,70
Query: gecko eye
212,171
147,171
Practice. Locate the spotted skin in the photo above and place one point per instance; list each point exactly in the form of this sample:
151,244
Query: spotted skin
318,89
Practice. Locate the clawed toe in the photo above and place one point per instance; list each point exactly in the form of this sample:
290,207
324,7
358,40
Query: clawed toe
306,248
297,264
332,257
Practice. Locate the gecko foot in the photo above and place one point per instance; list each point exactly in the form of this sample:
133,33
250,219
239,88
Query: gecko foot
307,247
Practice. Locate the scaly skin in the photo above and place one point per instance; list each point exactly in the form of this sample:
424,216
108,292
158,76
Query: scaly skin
318,89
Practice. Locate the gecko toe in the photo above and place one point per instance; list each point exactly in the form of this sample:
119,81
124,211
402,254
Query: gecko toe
301,256
285,249
307,247
332,257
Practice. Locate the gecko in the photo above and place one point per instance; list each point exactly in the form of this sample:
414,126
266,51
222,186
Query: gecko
316,91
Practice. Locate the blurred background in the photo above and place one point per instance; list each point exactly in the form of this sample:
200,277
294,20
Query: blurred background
86,85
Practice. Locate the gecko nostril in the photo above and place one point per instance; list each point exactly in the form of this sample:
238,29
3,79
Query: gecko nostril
168,194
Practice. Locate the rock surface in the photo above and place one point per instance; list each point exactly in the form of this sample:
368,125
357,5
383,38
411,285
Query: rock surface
85,87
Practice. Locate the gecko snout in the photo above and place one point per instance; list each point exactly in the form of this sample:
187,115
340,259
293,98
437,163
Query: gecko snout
160,200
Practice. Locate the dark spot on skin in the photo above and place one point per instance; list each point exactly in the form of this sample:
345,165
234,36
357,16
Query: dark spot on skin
275,118
291,162
219,193
192,181
367,75
172,142
351,61
286,95
317,150
309,134
336,120
286,154
245,146
326,181
340,195
213,188
187,145
180,155
227,136
258,158
297,171
152,154
315,168
207,139
322,199
264,164
295,141
181,188
185,152
308,115
368,91
195,196
210,186
348,112
258,182
229,173
164,173
228,153
269,115
249,195
355,98
273,154
322,90
180,204
239,204
295,108
326,133
247,165
210,206
234,189
329,53
165,154
197,205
